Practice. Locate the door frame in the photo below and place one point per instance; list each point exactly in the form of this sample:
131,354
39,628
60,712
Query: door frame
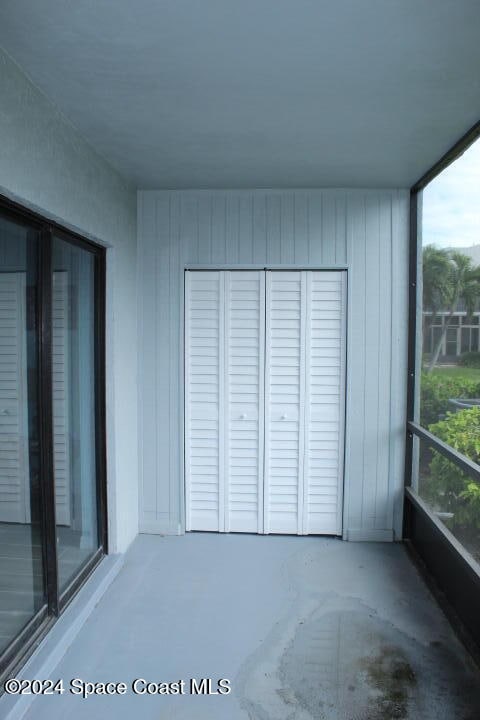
344,484
55,600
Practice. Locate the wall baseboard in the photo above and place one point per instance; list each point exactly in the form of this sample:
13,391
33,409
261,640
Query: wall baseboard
160,528
368,535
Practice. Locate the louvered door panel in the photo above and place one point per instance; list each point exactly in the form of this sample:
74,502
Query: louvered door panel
245,322
324,402
14,469
283,398
204,375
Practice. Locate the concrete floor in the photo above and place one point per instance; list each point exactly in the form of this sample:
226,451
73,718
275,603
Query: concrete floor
302,627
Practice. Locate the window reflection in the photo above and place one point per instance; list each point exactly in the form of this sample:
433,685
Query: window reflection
22,592
73,407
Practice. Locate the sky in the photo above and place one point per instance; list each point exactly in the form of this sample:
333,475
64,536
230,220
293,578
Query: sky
451,203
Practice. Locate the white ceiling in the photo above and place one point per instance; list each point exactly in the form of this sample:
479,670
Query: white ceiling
256,93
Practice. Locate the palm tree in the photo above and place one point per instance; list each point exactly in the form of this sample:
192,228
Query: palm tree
457,282
436,273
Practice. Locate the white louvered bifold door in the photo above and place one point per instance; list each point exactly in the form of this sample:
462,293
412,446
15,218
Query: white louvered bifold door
224,371
204,376
244,379
284,392
304,401
324,402
264,401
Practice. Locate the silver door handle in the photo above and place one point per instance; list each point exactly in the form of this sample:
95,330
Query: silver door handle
243,416
283,417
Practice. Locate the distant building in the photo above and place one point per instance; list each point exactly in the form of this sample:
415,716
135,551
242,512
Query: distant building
462,334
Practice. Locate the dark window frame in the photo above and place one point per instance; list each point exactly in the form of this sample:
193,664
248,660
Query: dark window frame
22,646
449,566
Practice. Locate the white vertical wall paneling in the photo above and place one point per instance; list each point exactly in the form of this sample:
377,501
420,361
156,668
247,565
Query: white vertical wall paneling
153,307
315,221
273,229
160,364
398,320
189,251
355,449
340,250
287,229
302,234
372,358
189,226
328,230
246,235
259,228
382,513
301,228
219,228
232,230
176,350
204,229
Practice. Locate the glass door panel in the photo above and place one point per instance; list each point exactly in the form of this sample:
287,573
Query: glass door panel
22,585
73,386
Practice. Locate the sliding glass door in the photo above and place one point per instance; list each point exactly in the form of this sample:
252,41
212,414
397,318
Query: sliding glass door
52,445
22,542
73,390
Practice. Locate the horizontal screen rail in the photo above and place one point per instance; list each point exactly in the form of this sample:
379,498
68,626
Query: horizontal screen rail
462,461
442,532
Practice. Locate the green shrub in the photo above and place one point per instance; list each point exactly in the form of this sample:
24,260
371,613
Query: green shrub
461,430
470,360
448,488
437,390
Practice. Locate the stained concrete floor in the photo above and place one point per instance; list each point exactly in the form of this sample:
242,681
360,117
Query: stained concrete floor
302,627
